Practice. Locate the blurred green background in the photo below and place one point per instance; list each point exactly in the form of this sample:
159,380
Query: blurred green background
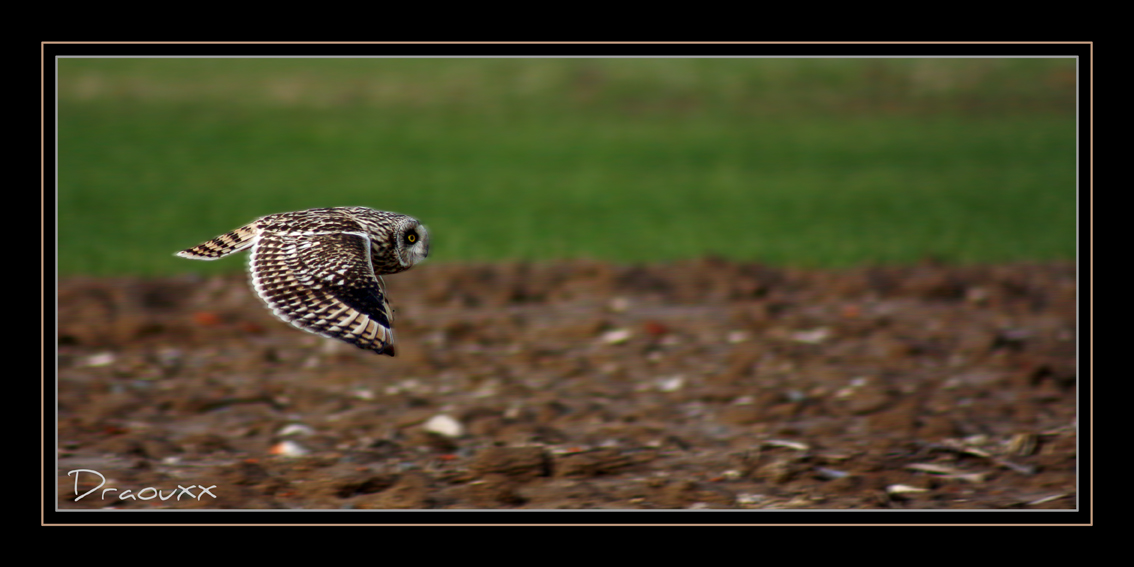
804,162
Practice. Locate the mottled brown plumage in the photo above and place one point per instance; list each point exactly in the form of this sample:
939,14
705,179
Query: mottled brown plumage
320,269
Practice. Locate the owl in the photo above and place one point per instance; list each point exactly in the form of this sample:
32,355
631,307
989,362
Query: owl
321,269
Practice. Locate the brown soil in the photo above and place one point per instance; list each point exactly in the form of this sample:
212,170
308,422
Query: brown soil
699,384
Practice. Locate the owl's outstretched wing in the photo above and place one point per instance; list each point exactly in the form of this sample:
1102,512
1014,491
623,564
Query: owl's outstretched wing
223,245
324,283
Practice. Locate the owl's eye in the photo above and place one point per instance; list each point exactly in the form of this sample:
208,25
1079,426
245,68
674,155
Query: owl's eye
411,238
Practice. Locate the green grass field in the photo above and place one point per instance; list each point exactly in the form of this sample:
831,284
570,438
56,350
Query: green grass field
806,162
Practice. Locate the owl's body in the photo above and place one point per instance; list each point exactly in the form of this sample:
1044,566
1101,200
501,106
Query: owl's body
321,269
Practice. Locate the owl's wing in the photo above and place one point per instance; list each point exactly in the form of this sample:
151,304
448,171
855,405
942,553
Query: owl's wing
324,283
223,245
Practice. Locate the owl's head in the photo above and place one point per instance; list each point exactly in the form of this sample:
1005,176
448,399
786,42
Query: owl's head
411,242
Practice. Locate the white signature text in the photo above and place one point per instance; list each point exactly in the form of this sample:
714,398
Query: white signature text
147,493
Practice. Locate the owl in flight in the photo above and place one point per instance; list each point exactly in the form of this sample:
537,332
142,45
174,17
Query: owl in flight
321,269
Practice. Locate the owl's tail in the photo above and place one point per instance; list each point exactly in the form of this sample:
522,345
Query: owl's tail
223,245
